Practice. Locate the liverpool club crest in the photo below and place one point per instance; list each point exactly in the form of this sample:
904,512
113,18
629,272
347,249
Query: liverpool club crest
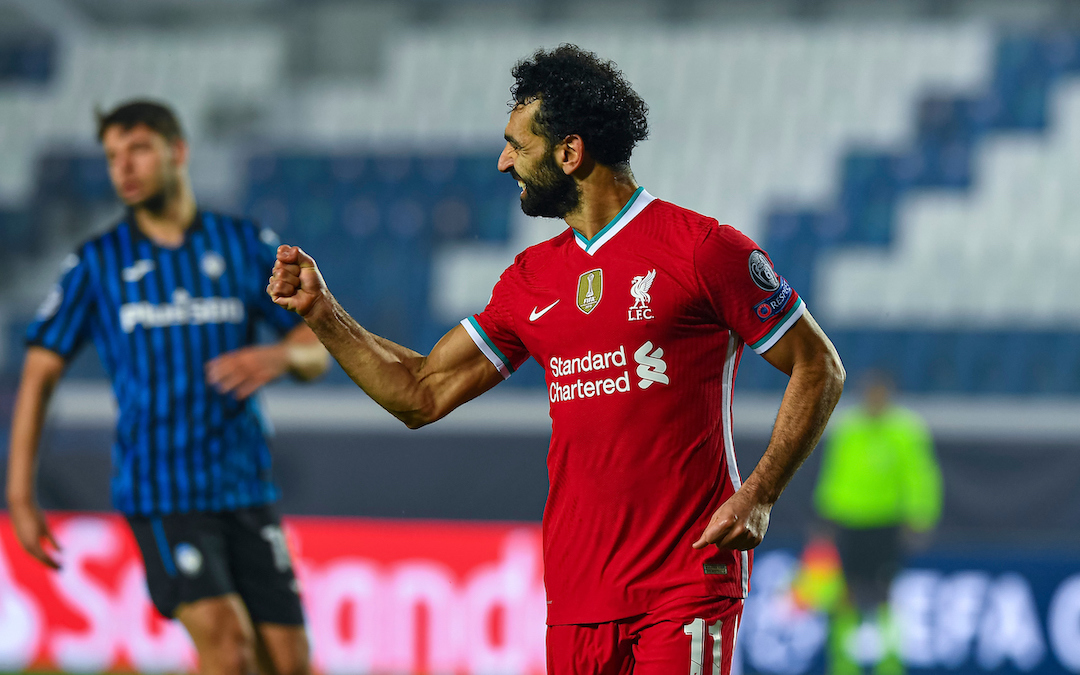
590,288
639,290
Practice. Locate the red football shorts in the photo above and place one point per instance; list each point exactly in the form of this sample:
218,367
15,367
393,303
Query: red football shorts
691,637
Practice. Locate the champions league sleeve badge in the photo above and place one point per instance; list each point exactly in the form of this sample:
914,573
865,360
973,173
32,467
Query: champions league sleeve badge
761,271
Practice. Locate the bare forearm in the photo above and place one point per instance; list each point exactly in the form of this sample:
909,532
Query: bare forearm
399,351
811,395
306,360
27,422
416,389
386,371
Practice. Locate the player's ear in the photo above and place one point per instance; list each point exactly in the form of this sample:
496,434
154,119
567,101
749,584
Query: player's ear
570,153
179,151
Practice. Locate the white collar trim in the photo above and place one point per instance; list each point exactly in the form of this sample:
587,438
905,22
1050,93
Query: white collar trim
636,205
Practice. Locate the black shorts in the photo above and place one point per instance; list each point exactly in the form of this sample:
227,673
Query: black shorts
193,556
870,557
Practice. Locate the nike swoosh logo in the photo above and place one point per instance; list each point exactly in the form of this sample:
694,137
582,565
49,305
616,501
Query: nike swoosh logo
536,314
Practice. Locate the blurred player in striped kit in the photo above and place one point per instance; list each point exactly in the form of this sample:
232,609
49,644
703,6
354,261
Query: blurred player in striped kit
171,296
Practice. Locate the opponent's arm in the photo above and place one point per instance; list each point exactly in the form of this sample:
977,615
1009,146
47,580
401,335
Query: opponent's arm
41,372
817,379
243,371
414,388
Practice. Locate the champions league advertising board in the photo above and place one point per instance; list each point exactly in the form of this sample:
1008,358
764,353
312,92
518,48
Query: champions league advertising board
973,612
463,597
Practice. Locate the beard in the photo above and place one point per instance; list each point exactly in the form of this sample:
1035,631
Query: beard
158,201
549,193
154,204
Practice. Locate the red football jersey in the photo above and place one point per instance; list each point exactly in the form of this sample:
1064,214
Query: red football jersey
639,330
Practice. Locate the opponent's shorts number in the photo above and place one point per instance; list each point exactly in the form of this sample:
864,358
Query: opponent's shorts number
278,547
696,630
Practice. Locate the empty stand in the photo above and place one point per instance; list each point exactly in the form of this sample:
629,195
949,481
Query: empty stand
374,221
740,116
965,236
906,178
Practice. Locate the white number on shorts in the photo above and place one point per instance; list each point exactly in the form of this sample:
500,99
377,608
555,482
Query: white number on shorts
280,550
696,630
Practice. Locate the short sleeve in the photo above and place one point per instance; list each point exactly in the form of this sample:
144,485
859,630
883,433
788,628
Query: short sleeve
262,246
62,322
493,329
746,293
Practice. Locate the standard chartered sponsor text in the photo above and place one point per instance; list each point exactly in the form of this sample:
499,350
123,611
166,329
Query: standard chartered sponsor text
590,362
183,310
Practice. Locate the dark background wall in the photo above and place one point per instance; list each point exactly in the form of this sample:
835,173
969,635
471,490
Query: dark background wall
1004,491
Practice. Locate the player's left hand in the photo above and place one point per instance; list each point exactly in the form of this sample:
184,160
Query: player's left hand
241,372
740,523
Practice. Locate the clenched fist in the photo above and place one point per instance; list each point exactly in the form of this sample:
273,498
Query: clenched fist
296,283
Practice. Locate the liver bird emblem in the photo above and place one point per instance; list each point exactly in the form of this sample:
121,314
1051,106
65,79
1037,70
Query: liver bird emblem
639,288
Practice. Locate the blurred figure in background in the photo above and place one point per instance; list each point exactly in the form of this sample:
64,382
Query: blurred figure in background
880,492
171,296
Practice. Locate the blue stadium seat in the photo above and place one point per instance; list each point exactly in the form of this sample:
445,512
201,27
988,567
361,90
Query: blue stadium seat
407,220
27,59
55,177
1054,366
272,212
19,232
931,362
314,215
92,179
438,171
529,375
481,172
1061,53
261,171
493,218
299,172
980,363
453,216
392,170
350,169
1017,357
361,217
757,374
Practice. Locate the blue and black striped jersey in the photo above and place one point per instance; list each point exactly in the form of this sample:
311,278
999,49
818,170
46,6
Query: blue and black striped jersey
157,315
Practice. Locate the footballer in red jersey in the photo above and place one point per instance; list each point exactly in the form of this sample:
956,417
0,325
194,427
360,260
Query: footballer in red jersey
638,313
640,330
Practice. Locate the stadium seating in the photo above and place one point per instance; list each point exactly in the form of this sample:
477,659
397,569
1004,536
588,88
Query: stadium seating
747,114
953,232
906,179
27,59
196,72
373,222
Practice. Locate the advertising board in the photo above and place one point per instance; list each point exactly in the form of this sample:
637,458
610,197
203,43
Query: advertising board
403,596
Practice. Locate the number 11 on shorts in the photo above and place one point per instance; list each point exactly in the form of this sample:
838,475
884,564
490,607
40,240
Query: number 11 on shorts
696,630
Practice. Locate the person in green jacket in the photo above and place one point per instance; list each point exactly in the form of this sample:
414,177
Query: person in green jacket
879,490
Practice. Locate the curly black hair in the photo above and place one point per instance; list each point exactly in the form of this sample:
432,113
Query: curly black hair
581,94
